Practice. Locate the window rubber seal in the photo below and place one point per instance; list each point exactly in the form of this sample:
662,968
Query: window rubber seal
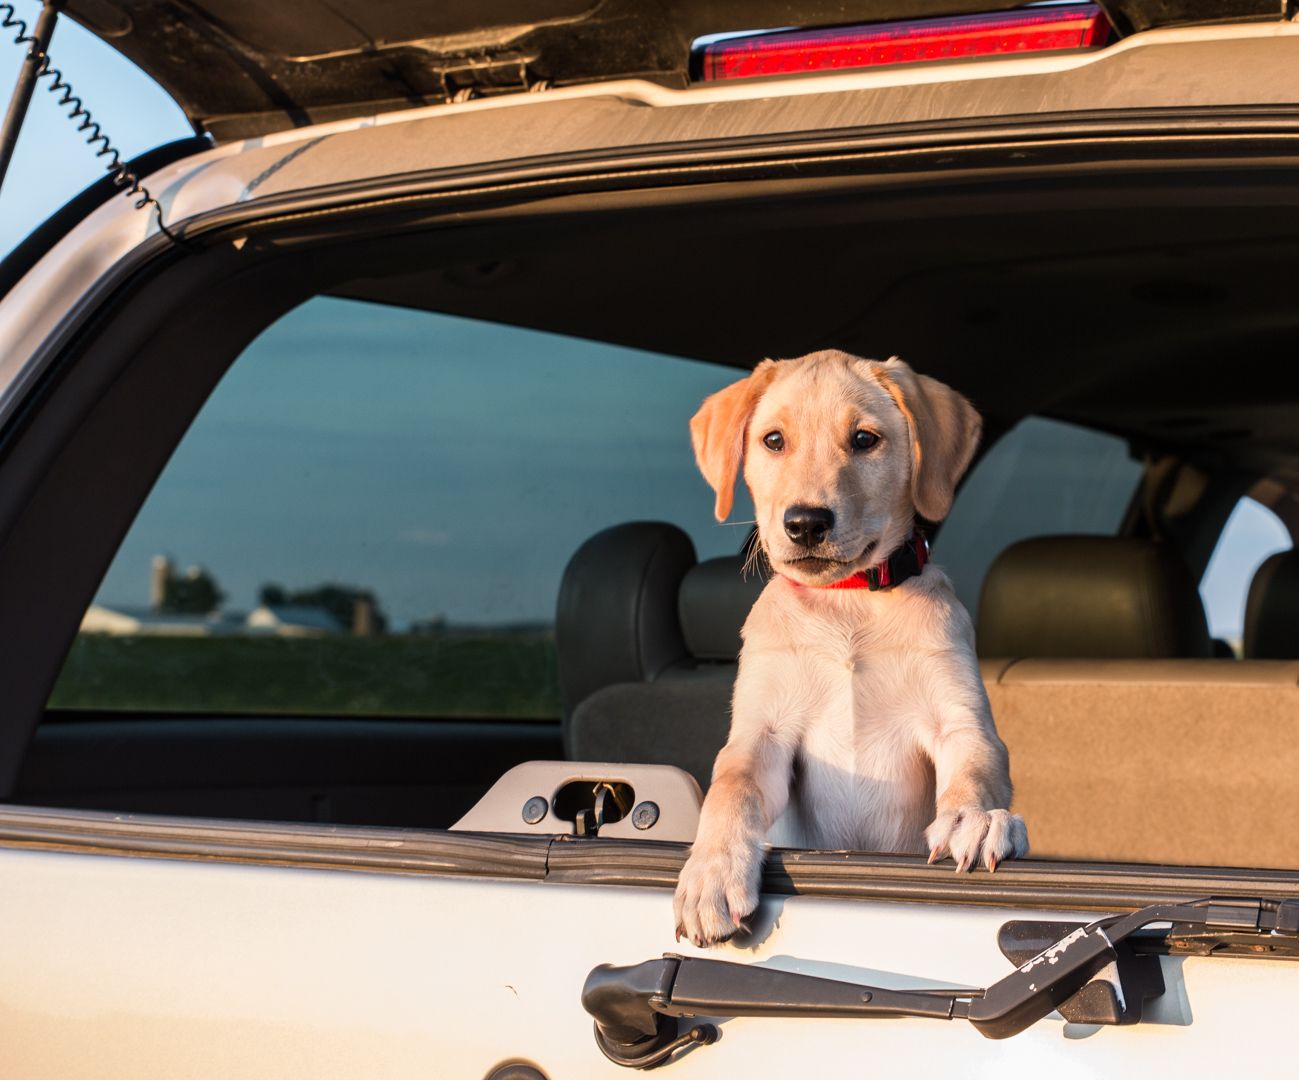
647,864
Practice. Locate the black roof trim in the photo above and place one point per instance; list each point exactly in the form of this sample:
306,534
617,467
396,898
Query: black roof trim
1134,16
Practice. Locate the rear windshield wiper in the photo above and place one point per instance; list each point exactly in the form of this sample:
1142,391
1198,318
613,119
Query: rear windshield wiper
636,1007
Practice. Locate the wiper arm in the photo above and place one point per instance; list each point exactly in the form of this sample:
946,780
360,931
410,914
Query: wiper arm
636,1007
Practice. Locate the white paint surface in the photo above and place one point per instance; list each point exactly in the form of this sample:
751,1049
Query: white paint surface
160,970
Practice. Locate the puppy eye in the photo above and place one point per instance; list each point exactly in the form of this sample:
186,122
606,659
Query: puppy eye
864,440
774,441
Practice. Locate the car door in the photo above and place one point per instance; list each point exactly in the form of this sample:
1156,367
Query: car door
159,948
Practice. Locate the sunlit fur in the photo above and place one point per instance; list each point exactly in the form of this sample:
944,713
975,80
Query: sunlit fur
859,718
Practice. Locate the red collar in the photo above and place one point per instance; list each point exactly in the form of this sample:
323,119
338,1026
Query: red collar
905,562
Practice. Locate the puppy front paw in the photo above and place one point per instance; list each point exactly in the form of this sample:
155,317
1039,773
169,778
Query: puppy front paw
971,835
717,890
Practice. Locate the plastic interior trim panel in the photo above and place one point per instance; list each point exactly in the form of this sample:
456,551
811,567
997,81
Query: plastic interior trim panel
661,802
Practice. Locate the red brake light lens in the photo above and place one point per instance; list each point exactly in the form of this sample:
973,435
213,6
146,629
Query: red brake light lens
1028,30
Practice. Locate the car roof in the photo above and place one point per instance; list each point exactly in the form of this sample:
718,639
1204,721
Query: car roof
240,68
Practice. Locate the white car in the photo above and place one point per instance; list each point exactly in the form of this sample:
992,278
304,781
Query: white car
399,351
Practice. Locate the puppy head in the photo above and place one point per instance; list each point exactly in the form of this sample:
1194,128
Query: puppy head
839,454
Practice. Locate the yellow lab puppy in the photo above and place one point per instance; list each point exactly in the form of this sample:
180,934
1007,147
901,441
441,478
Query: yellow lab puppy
859,719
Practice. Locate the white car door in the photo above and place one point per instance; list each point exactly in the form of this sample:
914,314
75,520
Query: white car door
162,948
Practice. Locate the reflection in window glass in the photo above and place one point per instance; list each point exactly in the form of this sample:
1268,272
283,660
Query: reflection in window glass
1042,478
1251,534
372,513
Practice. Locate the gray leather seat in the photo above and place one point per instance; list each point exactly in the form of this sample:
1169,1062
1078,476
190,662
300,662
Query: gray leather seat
1091,597
1272,609
648,639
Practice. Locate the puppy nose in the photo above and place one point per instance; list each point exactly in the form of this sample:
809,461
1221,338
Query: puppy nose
808,525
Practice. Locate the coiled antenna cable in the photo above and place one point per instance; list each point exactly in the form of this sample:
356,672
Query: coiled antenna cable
38,66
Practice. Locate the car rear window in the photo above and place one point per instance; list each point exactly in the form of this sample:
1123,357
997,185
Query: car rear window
371,515
1042,478
1252,533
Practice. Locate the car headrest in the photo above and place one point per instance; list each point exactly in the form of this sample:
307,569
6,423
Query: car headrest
1272,609
714,601
1094,597
617,615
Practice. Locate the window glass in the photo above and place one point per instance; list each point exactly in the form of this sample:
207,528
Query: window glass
1251,534
1042,478
372,513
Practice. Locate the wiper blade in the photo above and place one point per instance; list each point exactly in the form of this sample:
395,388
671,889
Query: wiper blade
1238,928
636,1007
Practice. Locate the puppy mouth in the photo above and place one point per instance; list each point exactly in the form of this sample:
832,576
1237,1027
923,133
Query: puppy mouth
818,565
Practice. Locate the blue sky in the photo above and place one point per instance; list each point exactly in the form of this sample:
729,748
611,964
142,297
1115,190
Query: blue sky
52,162
1252,533
193,517
450,465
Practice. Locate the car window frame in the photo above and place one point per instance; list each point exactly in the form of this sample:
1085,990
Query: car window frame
136,317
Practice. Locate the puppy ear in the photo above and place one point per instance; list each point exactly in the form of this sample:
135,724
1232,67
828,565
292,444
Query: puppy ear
718,428
945,431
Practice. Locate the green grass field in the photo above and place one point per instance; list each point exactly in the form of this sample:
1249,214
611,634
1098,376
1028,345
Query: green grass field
450,675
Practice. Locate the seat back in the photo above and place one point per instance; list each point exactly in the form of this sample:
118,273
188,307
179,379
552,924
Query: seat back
648,640
1094,597
1272,609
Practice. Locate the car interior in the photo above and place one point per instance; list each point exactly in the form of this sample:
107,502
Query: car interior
1154,312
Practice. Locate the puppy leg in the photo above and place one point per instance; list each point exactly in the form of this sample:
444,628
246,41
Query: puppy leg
719,885
972,822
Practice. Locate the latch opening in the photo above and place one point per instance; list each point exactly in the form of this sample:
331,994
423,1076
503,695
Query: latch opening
590,805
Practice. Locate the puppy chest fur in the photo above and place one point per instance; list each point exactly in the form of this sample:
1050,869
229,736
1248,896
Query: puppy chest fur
861,777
